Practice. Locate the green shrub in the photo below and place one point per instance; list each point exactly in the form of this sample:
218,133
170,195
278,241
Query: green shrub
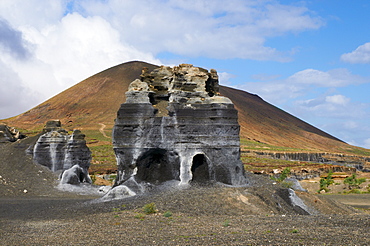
167,214
353,182
149,208
226,223
325,182
140,216
355,191
284,174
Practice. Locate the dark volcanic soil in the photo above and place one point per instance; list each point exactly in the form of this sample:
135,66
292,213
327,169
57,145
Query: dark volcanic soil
258,214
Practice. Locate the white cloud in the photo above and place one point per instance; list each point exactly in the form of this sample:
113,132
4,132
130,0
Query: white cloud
62,49
224,78
279,91
32,13
333,78
331,106
338,99
359,55
367,143
312,96
216,29
15,96
62,54
77,47
12,42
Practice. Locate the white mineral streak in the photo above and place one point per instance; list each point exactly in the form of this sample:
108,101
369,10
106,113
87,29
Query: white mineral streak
53,156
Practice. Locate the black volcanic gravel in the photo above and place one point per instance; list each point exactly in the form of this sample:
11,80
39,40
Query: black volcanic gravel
204,215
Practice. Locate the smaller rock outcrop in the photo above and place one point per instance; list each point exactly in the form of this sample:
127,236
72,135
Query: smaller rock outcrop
76,151
59,151
75,175
9,134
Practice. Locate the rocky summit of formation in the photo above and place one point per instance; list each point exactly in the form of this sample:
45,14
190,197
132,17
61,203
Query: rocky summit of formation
174,125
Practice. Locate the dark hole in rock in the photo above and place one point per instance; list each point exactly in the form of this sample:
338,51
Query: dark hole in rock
154,166
200,169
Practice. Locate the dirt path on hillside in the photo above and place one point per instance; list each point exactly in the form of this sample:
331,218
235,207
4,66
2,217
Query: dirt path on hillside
101,130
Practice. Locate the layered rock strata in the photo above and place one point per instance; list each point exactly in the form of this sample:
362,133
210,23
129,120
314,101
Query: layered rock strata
175,126
58,150
361,163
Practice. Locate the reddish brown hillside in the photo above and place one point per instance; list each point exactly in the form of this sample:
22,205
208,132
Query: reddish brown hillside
94,100
263,122
97,99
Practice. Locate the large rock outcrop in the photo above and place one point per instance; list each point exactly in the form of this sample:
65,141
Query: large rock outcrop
9,134
175,126
59,151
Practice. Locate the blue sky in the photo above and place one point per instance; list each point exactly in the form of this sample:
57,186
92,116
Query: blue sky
310,58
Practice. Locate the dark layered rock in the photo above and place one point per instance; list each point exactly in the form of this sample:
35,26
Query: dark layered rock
59,151
76,151
9,134
175,126
361,163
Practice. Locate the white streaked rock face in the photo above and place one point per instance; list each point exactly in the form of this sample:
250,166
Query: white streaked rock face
59,151
177,127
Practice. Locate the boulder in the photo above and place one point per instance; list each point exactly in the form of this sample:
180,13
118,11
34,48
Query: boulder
75,175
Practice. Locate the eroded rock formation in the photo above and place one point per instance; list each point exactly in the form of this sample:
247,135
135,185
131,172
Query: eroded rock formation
175,126
9,134
59,151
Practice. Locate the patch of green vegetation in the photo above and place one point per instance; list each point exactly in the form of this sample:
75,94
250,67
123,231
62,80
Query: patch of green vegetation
294,231
112,178
253,145
93,178
102,156
226,223
31,133
101,150
252,163
96,135
357,151
149,208
325,182
353,182
284,174
140,216
167,214
356,191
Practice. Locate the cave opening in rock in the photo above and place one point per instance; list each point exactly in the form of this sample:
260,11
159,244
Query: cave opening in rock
200,169
157,166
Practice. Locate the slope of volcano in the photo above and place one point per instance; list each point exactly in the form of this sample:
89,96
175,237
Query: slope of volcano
92,104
